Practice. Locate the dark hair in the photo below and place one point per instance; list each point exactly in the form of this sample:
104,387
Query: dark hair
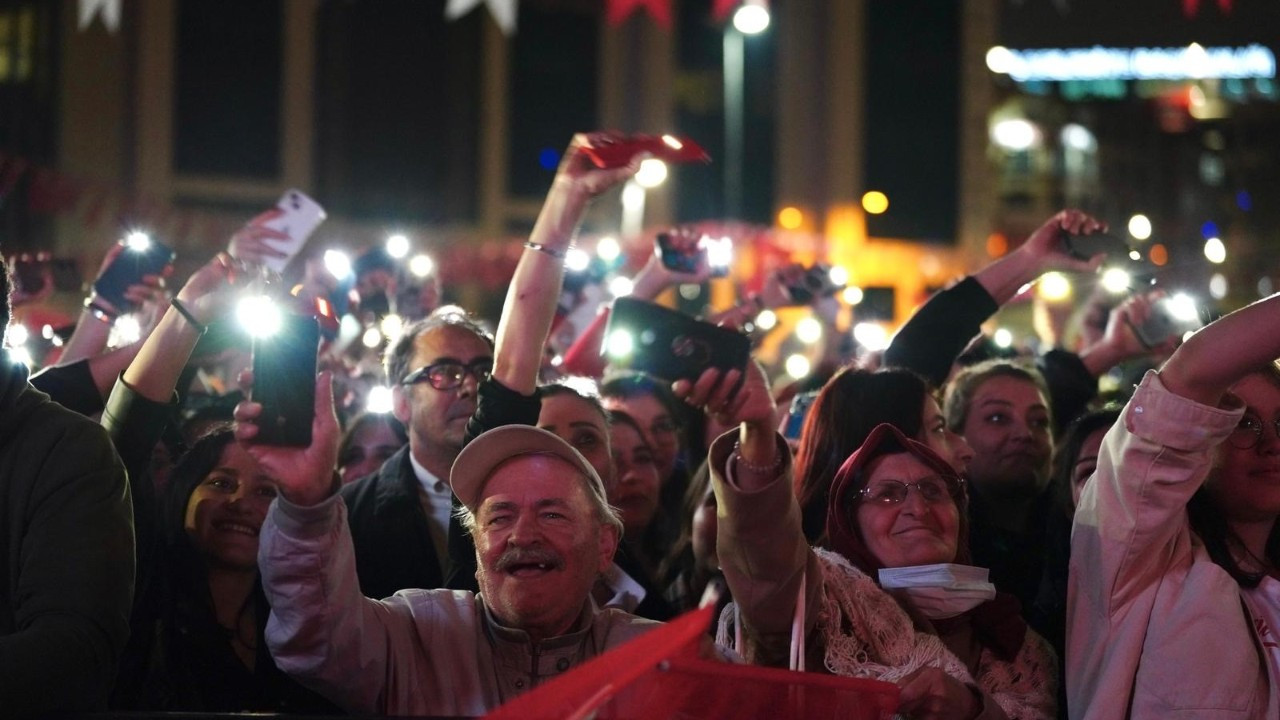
632,384
852,403
578,387
1068,452
962,387
1219,539
187,568
679,559
363,420
396,361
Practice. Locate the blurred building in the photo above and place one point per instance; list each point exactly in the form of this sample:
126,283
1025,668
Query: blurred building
873,134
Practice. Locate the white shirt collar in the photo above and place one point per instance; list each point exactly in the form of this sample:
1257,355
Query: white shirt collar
432,485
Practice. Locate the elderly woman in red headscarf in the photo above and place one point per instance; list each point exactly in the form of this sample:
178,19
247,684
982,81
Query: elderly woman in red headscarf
891,597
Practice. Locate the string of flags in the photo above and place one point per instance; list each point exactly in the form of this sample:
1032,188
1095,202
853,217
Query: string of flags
503,12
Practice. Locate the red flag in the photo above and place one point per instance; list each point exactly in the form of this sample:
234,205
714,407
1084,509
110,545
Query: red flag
721,8
659,675
660,10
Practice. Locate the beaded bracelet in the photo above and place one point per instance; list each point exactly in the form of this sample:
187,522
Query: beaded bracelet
557,254
741,462
186,314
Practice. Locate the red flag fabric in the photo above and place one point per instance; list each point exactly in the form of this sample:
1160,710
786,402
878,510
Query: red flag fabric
659,675
619,10
721,8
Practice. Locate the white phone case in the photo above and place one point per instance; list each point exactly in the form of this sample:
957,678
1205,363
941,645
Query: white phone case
300,216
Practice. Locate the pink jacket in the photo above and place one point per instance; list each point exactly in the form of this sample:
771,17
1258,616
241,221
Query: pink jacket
1156,629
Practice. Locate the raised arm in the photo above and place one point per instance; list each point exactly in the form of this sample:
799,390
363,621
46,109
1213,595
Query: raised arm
535,288
935,335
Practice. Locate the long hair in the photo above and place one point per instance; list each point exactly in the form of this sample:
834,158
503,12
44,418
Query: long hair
1211,525
187,569
846,410
1068,451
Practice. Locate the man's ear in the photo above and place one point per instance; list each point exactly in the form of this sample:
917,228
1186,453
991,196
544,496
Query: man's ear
608,545
400,404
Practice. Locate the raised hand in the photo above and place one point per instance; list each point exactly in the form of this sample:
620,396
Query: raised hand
931,694
1046,248
306,475
252,243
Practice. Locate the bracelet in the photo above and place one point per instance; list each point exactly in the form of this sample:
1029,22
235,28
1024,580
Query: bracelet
99,311
557,254
741,462
186,314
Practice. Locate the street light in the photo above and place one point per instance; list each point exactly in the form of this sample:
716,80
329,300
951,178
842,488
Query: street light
750,19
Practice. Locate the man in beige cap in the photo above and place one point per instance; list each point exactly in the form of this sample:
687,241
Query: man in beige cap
543,532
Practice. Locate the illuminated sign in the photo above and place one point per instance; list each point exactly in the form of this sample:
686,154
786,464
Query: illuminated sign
1100,63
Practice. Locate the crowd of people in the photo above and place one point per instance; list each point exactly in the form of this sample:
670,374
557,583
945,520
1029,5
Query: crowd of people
989,532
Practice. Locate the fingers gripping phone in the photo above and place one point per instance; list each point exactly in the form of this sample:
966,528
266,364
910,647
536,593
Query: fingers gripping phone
815,282
669,344
296,216
1169,318
284,381
136,260
716,254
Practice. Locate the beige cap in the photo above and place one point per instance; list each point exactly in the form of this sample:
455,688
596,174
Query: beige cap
478,460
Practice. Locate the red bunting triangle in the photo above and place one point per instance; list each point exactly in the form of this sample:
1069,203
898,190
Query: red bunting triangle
619,10
721,8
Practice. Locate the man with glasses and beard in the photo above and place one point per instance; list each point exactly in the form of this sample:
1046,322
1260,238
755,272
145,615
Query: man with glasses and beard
399,516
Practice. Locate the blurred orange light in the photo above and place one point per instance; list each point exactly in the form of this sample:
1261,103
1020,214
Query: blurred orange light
875,202
790,218
997,245
1159,255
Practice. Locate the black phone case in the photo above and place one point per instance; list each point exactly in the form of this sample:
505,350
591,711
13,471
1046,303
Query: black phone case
284,381
127,269
671,345
1084,247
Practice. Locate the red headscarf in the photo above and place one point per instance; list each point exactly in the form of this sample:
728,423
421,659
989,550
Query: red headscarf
997,622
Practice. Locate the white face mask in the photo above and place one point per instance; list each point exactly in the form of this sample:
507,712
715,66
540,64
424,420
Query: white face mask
940,591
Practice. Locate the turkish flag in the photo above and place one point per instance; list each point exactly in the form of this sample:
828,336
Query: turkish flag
619,10
721,8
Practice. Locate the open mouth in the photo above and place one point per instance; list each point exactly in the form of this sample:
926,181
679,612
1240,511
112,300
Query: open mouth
237,528
529,570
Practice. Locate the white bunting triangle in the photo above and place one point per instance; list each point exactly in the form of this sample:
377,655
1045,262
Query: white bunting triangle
503,12
109,10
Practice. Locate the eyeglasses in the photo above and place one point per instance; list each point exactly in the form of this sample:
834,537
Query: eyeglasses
449,374
893,492
1249,432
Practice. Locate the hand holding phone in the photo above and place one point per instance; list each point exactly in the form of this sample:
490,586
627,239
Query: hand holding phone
284,229
1169,318
138,257
669,344
284,376
805,284
668,148
684,252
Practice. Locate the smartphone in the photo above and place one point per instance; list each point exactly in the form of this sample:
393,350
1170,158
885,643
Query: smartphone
669,344
284,381
815,282
29,273
1163,324
298,217
667,148
1084,247
800,405
717,254
128,268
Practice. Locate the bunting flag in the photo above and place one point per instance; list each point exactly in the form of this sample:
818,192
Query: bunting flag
108,10
619,10
1191,7
721,8
503,11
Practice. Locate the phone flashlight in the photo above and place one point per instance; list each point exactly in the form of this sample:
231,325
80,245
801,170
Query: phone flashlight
621,343
719,255
337,263
397,246
138,241
379,400
259,316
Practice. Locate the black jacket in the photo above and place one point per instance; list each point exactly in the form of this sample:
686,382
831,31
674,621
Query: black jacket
393,544
66,537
